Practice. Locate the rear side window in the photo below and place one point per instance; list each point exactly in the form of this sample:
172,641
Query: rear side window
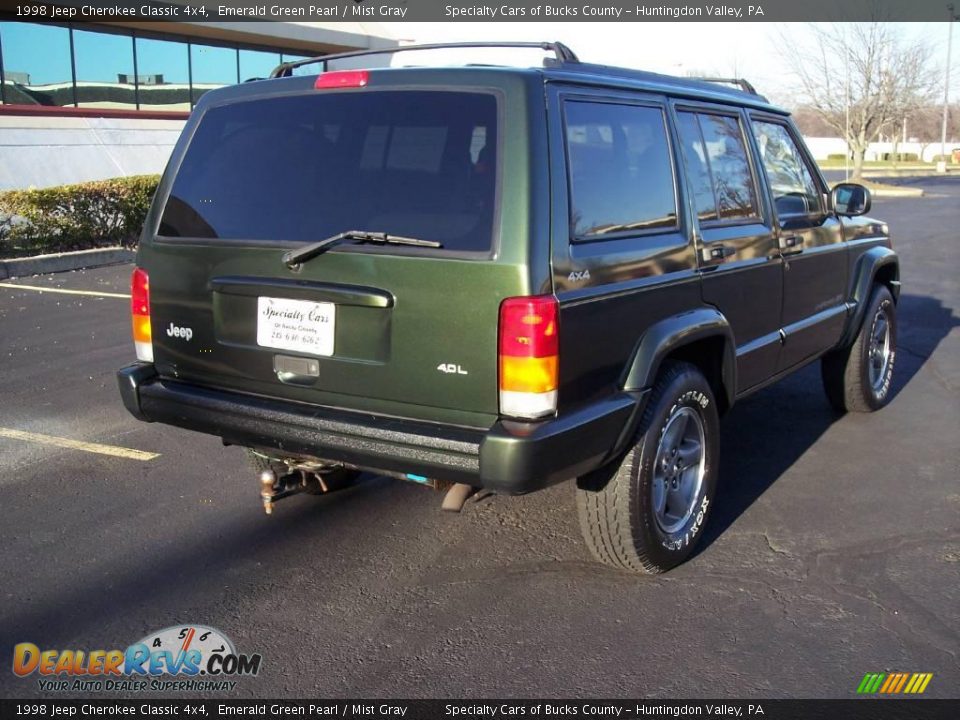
621,173
302,168
716,158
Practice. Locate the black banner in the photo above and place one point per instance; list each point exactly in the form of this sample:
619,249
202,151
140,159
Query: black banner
862,709
477,10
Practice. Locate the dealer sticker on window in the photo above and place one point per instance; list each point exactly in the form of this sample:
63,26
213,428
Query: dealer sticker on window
298,325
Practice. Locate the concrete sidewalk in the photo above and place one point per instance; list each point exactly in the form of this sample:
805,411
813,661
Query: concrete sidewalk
62,262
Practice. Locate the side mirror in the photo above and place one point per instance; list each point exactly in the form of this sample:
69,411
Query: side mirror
850,199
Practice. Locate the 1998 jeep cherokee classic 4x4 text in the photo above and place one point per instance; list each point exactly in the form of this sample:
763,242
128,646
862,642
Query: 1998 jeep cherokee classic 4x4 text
505,278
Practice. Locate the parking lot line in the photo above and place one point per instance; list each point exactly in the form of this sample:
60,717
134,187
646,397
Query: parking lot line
63,291
78,445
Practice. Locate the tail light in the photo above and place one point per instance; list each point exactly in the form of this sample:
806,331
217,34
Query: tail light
140,309
529,356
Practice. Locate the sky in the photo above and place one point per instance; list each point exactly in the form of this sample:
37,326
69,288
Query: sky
751,50
754,51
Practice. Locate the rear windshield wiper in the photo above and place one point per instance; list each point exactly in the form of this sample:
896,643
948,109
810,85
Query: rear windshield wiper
294,258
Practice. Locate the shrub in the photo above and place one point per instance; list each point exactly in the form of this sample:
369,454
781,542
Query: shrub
75,217
837,156
901,157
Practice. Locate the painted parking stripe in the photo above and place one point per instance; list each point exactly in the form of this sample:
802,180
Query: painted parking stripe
63,291
113,450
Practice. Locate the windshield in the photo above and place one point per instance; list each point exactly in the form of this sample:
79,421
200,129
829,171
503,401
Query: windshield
305,167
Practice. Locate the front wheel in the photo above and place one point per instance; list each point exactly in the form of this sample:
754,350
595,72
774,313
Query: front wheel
858,378
647,512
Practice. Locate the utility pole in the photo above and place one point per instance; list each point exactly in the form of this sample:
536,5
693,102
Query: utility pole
846,106
946,86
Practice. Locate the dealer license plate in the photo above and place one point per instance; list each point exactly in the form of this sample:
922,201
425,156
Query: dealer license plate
298,325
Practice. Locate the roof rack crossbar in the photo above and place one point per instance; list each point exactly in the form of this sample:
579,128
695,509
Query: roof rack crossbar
739,82
562,53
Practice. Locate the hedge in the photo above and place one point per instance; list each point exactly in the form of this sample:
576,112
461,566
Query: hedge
901,157
74,217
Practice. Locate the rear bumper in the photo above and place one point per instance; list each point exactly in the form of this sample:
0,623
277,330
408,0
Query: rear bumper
509,457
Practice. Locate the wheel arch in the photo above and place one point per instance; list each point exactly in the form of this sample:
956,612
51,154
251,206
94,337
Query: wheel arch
701,337
877,265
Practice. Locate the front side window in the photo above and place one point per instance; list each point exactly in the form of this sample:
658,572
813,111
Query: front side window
791,182
621,173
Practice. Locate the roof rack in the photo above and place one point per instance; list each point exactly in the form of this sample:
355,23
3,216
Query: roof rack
739,82
562,53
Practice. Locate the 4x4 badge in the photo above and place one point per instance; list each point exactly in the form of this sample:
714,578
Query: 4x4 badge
578,275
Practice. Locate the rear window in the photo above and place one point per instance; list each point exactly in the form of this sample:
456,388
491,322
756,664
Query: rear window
302,168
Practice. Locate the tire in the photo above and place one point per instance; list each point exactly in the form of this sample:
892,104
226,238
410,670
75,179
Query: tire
633,513
335,479
858,378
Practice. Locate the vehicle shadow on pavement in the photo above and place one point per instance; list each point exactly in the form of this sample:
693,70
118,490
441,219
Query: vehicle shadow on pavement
154,590
764,435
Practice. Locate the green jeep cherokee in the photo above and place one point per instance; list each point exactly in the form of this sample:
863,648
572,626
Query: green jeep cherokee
502,278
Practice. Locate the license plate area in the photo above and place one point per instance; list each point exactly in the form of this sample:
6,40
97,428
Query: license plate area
299,326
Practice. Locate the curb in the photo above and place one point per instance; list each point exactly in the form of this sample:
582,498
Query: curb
63,262
896,193
889,191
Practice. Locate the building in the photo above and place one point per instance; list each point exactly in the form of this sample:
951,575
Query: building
80,101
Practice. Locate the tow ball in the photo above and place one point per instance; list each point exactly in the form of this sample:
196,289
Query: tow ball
273,488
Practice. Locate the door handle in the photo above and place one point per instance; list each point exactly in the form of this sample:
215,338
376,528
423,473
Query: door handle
717,252
793,242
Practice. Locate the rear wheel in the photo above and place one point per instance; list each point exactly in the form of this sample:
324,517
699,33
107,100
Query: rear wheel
334,480
647,512
858,378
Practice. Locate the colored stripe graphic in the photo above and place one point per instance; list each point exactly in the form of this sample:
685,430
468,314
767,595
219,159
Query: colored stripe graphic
903,680
894,683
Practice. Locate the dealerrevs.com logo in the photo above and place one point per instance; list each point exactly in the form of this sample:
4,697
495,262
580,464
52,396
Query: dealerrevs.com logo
182,657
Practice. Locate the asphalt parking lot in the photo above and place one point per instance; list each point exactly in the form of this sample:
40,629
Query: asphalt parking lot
834,549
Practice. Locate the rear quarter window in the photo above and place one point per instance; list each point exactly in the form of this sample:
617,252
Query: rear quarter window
620,169
302,168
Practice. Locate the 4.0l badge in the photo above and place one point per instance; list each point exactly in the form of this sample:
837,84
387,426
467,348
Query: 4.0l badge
451,369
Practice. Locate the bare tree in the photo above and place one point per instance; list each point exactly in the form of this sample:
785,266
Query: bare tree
863,79
810,122
924,125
